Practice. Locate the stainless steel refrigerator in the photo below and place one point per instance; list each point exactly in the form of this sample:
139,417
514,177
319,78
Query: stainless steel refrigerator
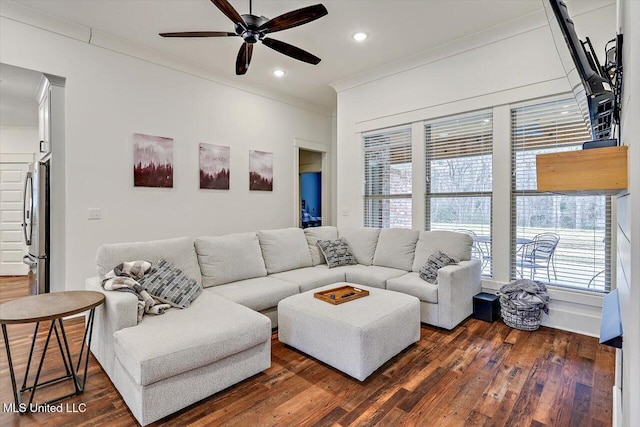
36,224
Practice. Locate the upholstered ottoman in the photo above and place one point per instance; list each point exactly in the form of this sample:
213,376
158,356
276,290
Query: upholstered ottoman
356,337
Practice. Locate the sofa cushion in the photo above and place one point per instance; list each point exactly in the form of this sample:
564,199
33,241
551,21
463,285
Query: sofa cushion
179,252
396,248
336,252
225,259
313,234
211,329
284,249
258,294
342,269
372,275
412,284
456,245
311,277
362,242
169,284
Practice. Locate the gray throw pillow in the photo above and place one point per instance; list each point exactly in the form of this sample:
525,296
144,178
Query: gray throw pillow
336,252
429,270
170,285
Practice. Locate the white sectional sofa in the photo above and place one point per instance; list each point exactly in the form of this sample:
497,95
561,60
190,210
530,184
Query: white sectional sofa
168,362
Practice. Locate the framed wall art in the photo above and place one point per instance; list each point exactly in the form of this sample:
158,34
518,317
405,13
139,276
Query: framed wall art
152,161
260,171
214,166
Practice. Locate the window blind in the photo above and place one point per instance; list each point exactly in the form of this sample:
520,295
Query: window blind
459,153
580,224
387,178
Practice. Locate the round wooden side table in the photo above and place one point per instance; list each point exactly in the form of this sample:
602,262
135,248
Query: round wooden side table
53,307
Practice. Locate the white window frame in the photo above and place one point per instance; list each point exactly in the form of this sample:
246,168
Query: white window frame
609,272
485,248
402,141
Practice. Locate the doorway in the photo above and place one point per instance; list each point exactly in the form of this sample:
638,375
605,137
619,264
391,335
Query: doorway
310,188
19,147
32,133
311,199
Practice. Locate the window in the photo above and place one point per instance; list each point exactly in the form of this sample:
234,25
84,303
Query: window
387,178
560,239
459,179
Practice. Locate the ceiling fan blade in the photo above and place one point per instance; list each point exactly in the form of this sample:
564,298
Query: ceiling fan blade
292,51
293,18
199,34
226,8
244,58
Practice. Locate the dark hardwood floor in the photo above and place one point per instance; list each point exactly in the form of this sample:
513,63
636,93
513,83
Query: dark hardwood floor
479,374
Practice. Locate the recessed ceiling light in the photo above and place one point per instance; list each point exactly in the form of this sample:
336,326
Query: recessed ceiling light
360,36
278,73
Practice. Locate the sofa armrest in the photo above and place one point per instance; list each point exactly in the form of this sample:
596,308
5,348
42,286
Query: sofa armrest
119,311
457,284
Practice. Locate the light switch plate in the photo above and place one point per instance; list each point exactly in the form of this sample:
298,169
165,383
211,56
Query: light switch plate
94,213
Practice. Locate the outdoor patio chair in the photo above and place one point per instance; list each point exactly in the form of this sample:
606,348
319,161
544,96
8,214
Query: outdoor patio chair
476,249
593,279
539,254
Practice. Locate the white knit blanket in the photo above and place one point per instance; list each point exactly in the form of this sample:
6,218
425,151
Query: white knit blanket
124,278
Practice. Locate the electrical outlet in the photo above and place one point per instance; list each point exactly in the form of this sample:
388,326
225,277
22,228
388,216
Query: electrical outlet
345,212
95,213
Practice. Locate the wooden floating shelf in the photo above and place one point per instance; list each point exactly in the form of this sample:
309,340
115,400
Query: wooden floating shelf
592,171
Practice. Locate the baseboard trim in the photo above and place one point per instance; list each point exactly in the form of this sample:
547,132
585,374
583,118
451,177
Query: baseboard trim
616,416
570,321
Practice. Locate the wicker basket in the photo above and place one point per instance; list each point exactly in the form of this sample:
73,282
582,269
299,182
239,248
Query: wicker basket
523,318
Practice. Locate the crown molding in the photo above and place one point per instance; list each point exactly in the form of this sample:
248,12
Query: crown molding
38,19
438,53
459,46
101,39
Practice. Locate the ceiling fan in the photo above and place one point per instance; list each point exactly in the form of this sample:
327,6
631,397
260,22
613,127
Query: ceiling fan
254,28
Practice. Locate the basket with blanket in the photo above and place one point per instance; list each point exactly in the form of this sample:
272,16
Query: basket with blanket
522,303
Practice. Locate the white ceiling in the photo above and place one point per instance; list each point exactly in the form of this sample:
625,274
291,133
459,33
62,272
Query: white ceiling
18,105
397,28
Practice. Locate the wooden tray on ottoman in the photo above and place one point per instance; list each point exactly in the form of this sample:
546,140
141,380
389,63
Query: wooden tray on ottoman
341,294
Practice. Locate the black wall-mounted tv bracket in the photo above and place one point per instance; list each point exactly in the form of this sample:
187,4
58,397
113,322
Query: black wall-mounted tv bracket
612,70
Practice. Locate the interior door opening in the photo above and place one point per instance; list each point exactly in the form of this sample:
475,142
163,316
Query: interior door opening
32,134
310,184
311,199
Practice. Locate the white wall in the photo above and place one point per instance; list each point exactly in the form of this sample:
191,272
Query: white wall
109,96
629,221
508,64
17,139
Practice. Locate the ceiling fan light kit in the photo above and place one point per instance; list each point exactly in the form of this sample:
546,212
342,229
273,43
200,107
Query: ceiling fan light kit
254,29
